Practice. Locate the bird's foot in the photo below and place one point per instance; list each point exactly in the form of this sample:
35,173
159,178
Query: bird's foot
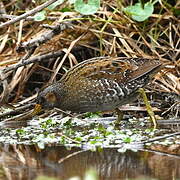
148,107
119,118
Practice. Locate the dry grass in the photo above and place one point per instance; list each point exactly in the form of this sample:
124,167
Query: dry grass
107,33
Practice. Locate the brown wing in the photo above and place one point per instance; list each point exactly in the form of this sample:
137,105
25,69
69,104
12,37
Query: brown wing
121,69
115,69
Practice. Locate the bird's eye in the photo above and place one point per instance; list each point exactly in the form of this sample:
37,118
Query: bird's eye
51,97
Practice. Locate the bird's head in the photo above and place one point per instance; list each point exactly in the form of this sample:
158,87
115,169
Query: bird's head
48,98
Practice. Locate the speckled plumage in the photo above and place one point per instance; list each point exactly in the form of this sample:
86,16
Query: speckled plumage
99,84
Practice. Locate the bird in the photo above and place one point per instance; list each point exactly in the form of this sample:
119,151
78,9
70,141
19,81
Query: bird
99,84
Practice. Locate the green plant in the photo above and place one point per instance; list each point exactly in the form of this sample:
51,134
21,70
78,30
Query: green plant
140,11
88,8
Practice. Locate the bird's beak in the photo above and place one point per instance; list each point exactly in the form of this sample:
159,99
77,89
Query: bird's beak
37,109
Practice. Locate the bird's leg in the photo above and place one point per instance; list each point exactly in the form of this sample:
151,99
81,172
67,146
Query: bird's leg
148,107
120,116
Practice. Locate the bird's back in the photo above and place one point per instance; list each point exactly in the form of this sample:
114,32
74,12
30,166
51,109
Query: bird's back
104,83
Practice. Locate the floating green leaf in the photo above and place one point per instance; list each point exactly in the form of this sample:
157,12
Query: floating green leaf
127,140
87,8
20,131
138,13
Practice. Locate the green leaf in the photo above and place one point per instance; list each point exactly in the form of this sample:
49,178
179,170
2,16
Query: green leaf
127,140
40,16
87,8
138,13
20,131
93,114
53,5
49,122
78,139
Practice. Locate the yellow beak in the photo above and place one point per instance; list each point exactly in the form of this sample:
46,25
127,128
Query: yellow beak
37,109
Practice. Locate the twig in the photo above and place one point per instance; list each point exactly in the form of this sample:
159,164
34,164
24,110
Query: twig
64,112
159,138
30,18
34,43
4,95
17,110
24,117
160,153
31,12
28,54
2,8
70,155
65,56
34,60
68,138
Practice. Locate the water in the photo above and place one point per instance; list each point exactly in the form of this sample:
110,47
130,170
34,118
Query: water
21,162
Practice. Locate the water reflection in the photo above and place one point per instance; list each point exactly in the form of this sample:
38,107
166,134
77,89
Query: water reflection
27,162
